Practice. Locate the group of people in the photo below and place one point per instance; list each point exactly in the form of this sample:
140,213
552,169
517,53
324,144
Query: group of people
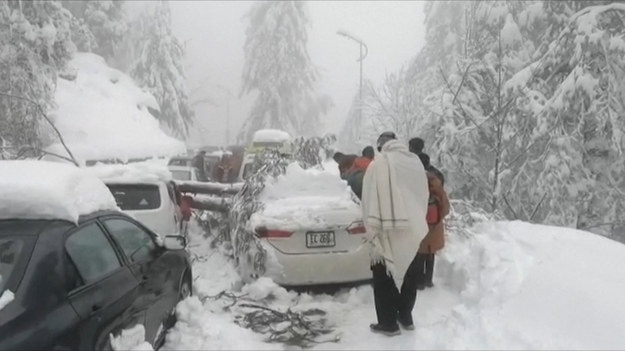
403,204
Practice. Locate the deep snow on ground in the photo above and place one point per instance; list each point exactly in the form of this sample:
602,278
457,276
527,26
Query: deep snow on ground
511,285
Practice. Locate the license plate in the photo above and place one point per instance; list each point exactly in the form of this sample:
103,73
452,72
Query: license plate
320,239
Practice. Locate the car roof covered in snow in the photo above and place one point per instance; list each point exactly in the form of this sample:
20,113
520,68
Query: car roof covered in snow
270,135
147,172
50,190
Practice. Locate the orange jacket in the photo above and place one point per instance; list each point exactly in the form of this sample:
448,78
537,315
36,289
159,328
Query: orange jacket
435,239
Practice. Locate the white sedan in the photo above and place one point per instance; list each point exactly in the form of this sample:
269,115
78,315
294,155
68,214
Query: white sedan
311,228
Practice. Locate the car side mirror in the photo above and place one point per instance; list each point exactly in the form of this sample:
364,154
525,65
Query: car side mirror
175,242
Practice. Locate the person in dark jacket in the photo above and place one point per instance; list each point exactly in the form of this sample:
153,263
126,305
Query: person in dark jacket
416,145
368,152
345,162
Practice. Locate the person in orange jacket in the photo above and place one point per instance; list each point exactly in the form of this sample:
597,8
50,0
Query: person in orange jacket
434,241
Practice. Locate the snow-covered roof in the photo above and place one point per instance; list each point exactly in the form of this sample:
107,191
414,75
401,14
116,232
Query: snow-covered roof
151,171
103,114
270,135
50,190
306,198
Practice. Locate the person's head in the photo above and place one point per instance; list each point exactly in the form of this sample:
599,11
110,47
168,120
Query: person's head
385,138
338,157
202,153
368,152
416,145
425,159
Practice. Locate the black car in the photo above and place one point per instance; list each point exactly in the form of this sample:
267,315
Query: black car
75,285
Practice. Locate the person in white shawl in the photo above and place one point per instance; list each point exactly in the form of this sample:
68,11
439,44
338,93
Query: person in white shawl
394,205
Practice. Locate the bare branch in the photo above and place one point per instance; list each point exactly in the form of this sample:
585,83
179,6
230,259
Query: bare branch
58,133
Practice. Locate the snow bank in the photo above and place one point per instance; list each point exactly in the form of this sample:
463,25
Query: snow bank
6,298
507,285
305,199
270,135
50,190
103,114
146,171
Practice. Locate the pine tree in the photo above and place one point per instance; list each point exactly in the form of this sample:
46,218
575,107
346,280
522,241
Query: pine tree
158,67
105,21
278,68
36,41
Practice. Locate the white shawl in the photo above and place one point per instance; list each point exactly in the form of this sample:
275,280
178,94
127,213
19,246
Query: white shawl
394,204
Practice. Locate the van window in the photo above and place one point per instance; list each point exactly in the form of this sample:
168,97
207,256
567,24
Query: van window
131,197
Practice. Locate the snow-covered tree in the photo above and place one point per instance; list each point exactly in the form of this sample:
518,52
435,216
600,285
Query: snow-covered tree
36,41
159,67
525,105
279,70
105,21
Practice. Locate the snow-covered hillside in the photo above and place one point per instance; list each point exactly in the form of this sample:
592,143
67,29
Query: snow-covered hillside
103,114
508,285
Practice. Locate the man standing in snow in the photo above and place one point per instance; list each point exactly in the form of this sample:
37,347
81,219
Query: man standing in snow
394,204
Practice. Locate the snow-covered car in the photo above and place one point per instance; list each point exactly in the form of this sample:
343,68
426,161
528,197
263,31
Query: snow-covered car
311,229
74,270
146,192
184,173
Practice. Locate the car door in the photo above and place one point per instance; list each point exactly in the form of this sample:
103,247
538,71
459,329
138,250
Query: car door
105,291
159,272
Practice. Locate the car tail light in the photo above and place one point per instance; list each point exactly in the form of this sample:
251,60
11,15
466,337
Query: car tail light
263,232
357,227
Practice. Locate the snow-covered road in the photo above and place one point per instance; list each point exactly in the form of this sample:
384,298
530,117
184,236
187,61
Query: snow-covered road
511,285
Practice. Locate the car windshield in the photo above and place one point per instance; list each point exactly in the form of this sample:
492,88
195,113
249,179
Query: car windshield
181,175
11,249
136,196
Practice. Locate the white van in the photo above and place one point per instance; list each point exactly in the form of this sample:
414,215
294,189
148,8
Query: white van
153,203
262,140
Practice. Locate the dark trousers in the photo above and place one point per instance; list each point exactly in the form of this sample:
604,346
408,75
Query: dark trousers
390,302
428,269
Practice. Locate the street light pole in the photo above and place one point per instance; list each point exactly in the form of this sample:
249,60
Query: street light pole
364,54
228,96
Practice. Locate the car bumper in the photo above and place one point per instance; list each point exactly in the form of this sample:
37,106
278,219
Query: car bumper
322,268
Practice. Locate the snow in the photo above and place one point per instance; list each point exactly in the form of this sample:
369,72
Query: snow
132,339
507,285
6,298
271,135
103,114
510,34
138,172
301,199
50,190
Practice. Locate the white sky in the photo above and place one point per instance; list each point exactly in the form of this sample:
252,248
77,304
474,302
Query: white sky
214,32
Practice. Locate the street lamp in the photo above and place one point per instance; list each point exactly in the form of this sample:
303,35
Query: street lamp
228,96
362,55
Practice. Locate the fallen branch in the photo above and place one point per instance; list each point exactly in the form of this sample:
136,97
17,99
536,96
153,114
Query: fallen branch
208,188
207,203
58,133
292,328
